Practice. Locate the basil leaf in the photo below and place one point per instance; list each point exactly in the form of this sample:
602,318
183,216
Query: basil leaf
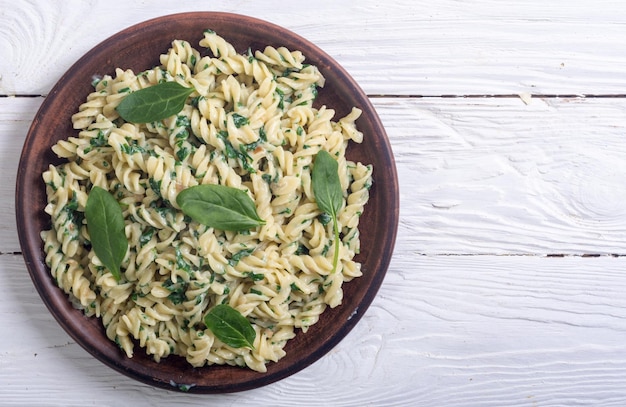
328,193
220,207
326,184
105,223
230,327
154,103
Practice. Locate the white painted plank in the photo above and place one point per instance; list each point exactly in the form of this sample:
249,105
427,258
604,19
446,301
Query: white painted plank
497,176
444,330
16,115
404,47
477,176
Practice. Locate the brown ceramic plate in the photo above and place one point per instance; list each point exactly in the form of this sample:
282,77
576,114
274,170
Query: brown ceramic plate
138,48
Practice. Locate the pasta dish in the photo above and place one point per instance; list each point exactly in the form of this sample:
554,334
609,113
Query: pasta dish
249,124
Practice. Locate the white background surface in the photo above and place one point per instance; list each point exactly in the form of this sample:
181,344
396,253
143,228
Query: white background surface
508,283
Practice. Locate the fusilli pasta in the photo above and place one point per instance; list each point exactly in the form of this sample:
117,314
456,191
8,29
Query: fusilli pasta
249,124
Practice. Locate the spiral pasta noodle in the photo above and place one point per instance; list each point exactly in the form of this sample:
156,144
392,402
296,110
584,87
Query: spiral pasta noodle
250,124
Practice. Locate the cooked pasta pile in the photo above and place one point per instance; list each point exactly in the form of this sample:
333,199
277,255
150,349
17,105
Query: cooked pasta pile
250,124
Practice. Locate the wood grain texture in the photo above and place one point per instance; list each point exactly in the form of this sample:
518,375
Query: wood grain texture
16,115
451,48
472,312
445,330
498,176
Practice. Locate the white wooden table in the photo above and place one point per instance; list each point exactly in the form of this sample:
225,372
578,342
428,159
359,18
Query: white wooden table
508,283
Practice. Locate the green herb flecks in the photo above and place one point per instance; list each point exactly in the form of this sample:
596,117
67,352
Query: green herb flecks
146,236
254,276
181,263
178,290
74,215
240,120
105,223
154,103
242,155
230,327
240,255
328,193
98,141
220,207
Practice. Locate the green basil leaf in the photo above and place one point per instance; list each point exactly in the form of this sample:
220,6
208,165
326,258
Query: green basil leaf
328,193
105,223
326,184
220,207
230,327
154,103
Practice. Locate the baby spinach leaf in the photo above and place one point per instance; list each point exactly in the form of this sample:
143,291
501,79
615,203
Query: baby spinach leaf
328,193
230,327
220,207
105,223
154,103
326,184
